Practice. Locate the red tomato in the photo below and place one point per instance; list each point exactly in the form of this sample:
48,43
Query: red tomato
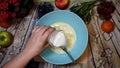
107,26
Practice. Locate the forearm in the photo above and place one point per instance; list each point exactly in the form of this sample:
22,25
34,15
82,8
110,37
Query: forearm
19,61
35,45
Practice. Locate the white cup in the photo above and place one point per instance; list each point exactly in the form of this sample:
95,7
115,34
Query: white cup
57,39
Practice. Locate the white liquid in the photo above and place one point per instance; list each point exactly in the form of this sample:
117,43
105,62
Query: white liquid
69,34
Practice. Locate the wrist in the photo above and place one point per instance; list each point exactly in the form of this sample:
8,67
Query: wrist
27,54
22,59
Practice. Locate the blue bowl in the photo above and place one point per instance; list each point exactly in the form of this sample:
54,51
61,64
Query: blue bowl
81,36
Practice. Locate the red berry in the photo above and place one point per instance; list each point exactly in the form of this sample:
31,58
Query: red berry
5,24
107,17
105,9
100,9
110,9
4,6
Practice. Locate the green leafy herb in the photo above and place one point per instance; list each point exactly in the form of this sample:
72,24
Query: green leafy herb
84,10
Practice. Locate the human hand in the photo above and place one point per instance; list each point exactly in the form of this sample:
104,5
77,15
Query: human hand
38,40
35,45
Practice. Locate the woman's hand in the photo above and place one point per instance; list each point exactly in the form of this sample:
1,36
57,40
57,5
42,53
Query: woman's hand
38,40
35,45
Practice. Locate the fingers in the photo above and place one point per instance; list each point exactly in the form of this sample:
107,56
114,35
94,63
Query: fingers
44,31
48,32
36,29
41,29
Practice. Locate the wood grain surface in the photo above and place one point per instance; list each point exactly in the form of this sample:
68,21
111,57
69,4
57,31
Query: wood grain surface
103,49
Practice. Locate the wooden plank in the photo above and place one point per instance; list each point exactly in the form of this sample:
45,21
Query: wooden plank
103,49
13,30
117,5
116,33
19,31
92,39
34,19
113,59
95,46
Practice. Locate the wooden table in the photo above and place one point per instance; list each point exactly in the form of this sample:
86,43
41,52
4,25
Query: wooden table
103,49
